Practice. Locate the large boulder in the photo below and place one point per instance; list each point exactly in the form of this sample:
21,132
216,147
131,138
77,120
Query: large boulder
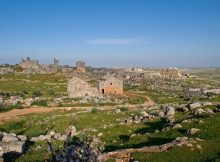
1,151
9,138
195,105
198,111
71,130
117,111
34,139
63,138
169,111
22,137
193,131
209,111
144,114
176,126
27,102
161,114
207,104
15,146
57,136
1,100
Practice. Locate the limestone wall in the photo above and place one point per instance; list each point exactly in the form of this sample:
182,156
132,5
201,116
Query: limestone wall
77,87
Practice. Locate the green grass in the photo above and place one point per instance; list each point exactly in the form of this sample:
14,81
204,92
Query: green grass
117,136
44,83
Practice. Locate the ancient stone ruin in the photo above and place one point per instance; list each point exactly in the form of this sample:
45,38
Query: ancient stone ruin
110,85
28,63
80,67
171,73
77,87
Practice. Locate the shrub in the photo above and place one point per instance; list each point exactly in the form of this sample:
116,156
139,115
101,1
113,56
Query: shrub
123,109
94,110
51,92
40,103
37,93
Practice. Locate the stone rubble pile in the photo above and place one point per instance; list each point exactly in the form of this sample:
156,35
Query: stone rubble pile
14,100
143,117
77,150
52,135
11,143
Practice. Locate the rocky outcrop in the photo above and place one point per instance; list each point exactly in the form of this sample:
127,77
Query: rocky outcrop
11,143
195,105
193,131
78,88
126,153
52,135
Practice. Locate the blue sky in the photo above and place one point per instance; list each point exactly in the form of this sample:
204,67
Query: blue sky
158,33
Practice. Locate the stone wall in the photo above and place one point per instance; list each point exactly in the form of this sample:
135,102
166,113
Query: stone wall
173,73
80,67
111,85
28,63
79,88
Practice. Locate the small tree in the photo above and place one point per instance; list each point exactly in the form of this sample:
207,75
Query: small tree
37,93
76,149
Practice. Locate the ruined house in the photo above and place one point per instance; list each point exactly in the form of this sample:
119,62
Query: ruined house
110,85
55,62
78,88
29,64
171,73
80,67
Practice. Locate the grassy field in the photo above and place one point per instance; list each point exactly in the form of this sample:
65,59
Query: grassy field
117,136
47,84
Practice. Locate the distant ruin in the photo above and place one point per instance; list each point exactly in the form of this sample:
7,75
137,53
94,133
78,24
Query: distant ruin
78,88
33,66
29,64
80,67
171,73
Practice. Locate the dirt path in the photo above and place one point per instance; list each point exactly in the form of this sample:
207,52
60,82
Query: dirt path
15,113
148,101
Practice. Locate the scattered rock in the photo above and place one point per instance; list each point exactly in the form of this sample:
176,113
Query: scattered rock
198,111
199,147
177,126
71,130
22,137
193,131
161,114
57,136
9,138
11,143
209,111
206,104
100,134
195,105
185,109
117,111
170,111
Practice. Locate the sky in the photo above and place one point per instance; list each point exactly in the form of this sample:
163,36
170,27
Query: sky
112,33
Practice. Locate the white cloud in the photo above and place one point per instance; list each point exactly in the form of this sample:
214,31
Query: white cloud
114,41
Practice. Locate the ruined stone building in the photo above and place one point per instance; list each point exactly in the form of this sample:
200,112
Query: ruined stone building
171,73
110,85
80,67
55,62
78,88
29,64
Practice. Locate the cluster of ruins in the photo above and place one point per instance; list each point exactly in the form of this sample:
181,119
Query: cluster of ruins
77,87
